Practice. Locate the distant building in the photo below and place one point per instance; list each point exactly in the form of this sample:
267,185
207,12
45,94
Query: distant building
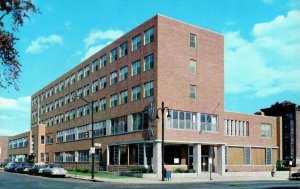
3,148
161,60
290,114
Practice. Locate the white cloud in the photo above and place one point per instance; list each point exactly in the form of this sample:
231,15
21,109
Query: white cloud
98,39
19,104
269,64
42,43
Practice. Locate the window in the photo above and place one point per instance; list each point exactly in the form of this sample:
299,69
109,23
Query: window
60,137
67,99
70,156
73,113
67,116
193,66
61,86
95,86
113,78
149,62
67,82
148,36
136,42
86,90
137,121
193,91
136,93
79,92
113,100
148,89
266,130
95,106
73,79
193,40
209,122
103,82
86,109
136,68
42,139
83,156
103,61
268,156
73,96
247,154
82,130
70,135
86,71
95,65
58,157
79,111
123,73
80,75
119,125
123,97
61,101
103,104
124,49
56,89
113,55
226,155
100,129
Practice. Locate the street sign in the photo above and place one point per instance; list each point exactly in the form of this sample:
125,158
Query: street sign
92,150
97,144
209,160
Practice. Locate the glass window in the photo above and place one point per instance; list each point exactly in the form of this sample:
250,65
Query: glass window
113,55
124,49
113,78
148,89
73,79
80,75
95,106
193,40
136,42
188,120
73,113
137,121
193,67
86,71
268,156
79,111
193,91
123,97
149,62
86,90
67,82
181,120
266,130
103,104
86,109
123,73
175,119
136,68
103,82
103,61
136,93
148,36
67,116
113,100
95,86
95,65
247,153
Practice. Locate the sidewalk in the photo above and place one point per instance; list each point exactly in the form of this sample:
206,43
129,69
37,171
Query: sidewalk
205,178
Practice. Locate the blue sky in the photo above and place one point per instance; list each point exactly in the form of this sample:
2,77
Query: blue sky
262,45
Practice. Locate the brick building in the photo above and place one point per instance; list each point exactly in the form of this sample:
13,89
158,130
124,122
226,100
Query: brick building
3,148
161,60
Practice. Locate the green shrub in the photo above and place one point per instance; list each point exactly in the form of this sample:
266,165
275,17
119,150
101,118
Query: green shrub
190,171
179,170
139,169
226,170
282,165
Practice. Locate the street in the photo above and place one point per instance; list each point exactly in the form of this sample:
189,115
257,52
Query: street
19,181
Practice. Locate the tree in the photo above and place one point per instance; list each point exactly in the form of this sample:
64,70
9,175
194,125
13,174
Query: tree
18,10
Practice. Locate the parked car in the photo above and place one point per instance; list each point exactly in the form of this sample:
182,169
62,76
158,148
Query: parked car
296,175
22,166
34,170
10,167
54,169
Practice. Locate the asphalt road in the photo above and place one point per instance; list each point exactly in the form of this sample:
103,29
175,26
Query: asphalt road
18,181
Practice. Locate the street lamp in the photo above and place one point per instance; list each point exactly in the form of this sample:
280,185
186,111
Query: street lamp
92,150
163,108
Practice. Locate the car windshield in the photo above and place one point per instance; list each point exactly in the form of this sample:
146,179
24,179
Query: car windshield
55,165
41,166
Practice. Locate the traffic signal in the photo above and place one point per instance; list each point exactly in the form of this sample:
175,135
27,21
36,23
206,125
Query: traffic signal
87,134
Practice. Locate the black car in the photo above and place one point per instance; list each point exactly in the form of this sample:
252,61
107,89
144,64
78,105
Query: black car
35,169
10,167
22,166
296,175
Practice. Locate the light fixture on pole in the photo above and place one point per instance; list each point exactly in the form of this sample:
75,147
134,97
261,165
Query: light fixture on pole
163,108
92,150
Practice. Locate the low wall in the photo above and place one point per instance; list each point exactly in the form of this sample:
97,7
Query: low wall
252,168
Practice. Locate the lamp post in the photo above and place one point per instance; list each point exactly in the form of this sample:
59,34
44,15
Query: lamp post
93,153
163,108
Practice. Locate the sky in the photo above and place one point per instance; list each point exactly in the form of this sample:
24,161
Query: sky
262,46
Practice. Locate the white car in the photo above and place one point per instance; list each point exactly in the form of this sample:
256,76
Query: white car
54,169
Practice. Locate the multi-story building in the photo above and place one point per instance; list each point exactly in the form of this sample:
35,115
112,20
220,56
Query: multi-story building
161,60
3,149
290,114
